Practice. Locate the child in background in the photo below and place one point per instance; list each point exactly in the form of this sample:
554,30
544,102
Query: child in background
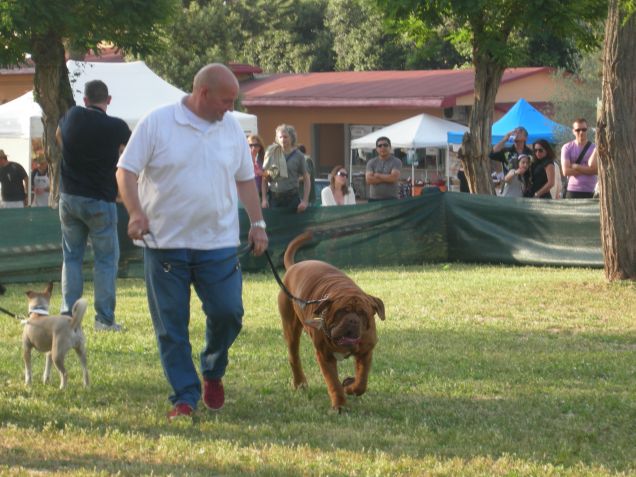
517,181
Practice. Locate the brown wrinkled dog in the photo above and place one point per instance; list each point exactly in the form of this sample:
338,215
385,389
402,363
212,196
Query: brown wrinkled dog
53,335
341,326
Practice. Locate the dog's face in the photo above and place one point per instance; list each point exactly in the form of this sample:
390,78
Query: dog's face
40,301
348,328
345,320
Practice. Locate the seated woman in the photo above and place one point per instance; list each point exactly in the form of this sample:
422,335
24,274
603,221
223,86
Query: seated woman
541,170
517,181
338,192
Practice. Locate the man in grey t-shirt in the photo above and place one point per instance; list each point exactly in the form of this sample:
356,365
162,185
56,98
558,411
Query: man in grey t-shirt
383,172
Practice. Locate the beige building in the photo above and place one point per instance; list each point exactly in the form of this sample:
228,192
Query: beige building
330,109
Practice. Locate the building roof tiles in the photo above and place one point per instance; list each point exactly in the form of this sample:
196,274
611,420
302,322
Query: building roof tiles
398,89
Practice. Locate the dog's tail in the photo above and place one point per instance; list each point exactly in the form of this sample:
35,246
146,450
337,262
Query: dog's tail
295,245
79,309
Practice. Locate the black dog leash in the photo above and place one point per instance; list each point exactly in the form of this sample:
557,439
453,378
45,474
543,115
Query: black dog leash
12,315
300,301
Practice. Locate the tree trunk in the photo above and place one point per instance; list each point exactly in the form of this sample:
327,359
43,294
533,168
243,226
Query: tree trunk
53,93
476,143
616,146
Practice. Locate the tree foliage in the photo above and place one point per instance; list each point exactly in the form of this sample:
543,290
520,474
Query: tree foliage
198,35
276,35
343,35
357,31
578,95
83,23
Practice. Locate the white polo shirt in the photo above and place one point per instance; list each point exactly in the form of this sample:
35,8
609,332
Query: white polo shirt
187,169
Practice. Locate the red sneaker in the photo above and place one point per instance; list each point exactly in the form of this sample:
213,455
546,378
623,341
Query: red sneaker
213,394
180,410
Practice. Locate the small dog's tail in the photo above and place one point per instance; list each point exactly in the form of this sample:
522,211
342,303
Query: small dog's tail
295,245
79,309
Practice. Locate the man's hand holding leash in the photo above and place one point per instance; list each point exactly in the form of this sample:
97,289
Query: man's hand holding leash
249,198
257,237
138,225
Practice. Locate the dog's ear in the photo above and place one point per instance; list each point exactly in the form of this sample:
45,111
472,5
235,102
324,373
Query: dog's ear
30,293
378,306
49,288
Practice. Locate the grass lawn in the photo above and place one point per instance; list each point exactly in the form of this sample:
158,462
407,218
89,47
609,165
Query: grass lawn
479,371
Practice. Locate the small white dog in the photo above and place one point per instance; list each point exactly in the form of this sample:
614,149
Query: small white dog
54,335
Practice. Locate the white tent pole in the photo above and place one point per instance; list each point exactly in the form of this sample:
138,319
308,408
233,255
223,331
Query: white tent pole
351,169
412,176
447,168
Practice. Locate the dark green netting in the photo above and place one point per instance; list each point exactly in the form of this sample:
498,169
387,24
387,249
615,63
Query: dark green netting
435,227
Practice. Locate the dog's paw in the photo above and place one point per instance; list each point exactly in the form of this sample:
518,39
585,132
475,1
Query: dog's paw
348,381
339,410
350,388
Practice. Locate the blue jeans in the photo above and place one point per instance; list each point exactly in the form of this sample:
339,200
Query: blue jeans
218,282
83,218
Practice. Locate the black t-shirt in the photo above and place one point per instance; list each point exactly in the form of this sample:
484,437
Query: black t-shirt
12,179
509,157
90,151
539,176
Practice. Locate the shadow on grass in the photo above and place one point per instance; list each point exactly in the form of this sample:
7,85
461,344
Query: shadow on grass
34,462
554,398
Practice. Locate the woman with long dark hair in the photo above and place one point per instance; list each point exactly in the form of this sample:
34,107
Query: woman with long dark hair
338,192
541,170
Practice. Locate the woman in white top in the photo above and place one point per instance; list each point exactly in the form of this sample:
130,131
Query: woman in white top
338,192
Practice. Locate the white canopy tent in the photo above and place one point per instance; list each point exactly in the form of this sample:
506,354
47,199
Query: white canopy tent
135,91
417,132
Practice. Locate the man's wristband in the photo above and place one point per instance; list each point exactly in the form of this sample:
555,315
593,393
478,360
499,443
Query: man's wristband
260,224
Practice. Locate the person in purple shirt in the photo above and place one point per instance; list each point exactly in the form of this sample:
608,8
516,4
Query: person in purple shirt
581,182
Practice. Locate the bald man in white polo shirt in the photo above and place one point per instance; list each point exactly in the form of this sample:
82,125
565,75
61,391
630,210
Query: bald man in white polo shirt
181,176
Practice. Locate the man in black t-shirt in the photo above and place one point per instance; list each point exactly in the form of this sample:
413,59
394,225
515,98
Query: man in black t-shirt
15,183
508,156
91,142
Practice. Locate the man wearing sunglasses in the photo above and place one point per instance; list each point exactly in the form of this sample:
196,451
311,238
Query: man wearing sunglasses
575,163
383,172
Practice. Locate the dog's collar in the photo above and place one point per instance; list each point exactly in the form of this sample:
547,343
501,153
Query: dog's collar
39,311
323,325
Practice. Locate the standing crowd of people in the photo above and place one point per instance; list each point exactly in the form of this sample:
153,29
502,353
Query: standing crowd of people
532,171
14,184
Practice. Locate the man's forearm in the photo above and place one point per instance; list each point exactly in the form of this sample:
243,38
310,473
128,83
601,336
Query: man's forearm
249,198
127,184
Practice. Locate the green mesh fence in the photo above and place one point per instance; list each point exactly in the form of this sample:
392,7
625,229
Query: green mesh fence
435,227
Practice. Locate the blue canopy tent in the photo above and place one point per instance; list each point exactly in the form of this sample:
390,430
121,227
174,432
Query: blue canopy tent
521,114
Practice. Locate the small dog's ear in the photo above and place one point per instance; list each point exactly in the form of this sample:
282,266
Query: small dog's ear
378,305
30,293
49,288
